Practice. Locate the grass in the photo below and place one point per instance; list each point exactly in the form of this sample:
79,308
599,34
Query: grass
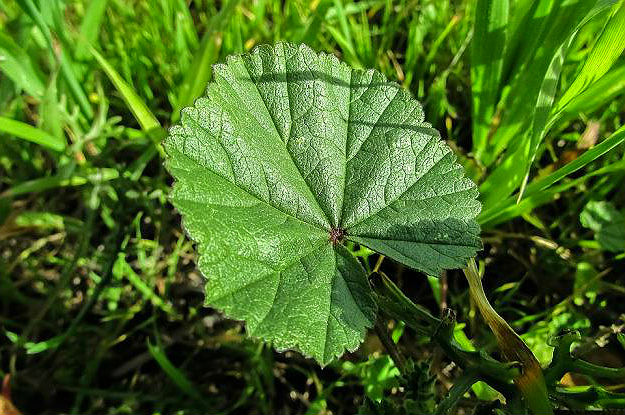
101,306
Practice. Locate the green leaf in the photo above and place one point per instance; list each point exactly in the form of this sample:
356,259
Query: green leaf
290,154
608,224
377,374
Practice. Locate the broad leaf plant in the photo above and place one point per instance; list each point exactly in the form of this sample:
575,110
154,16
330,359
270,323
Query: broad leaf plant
291,154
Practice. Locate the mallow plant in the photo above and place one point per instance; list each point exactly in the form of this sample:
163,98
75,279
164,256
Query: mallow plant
291,158
290,155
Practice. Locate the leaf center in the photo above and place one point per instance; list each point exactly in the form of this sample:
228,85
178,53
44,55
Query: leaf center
337,235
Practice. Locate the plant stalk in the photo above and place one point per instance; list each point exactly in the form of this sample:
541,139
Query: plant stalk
390,346
394,303
457,391
531,382
563,362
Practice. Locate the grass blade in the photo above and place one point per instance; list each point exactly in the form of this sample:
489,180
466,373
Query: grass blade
617,138
66,66
53,182
487,51
17,65
537,199
556,29
528,14
514,169
139,109
343,36
199,73
90,27
50,110
604,53
180,380
603,91
27,132
121,269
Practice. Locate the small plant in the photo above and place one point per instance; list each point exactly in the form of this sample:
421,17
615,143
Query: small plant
289,156
290,159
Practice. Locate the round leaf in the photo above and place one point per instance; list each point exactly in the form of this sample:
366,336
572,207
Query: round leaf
291,153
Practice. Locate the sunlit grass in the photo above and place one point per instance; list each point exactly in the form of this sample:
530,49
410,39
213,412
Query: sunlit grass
100,303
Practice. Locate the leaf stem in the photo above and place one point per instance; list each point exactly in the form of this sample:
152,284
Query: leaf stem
531,382
586,368
457,391
390,346
563,362
394,303
378,263
397,305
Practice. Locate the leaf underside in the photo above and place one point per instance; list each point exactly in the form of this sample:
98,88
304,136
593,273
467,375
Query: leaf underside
289,147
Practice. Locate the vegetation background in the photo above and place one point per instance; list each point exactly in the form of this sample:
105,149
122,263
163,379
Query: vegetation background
100,303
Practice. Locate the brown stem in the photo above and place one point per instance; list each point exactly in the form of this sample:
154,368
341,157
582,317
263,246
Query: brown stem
531,381
6,386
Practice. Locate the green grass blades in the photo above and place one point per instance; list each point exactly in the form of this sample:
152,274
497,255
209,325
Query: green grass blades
61,180
602,92
27,132
553,27
142,113
94,260
540,186
513,171
18,66
200,70
67,66
90,27
487,52
175,374
602,56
